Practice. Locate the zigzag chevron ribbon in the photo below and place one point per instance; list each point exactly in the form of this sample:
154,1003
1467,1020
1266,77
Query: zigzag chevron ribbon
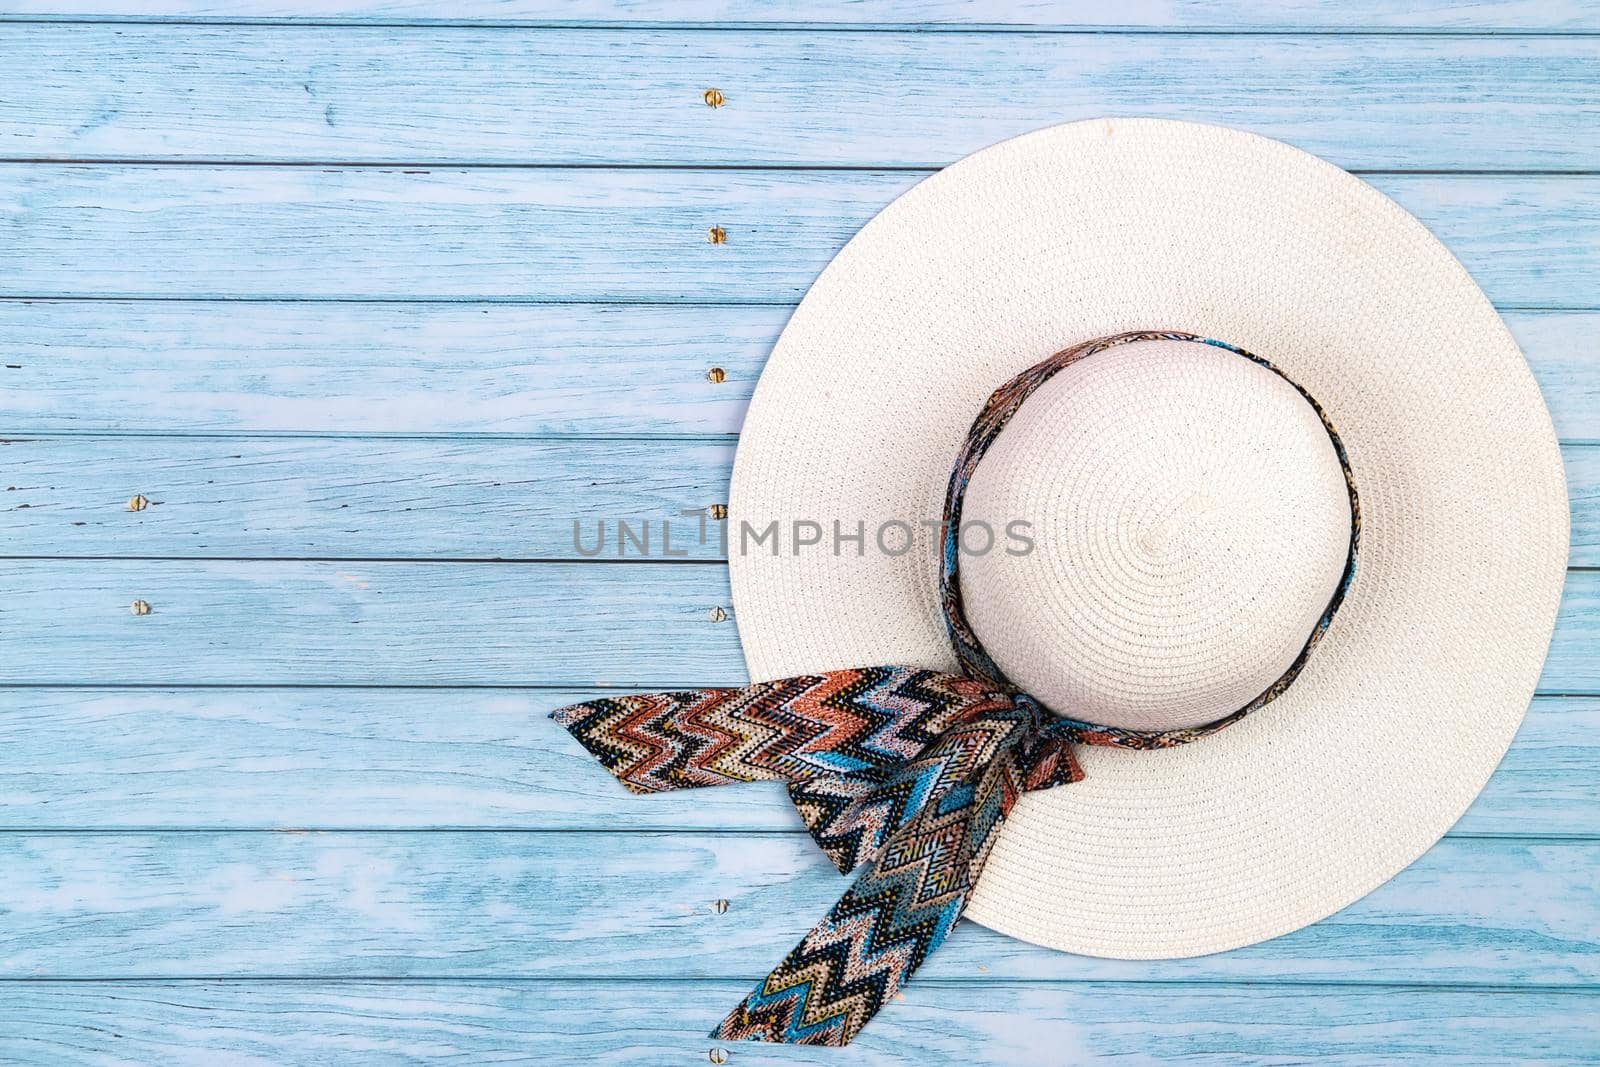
908,771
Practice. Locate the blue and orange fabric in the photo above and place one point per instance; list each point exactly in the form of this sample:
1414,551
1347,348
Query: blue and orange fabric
906,772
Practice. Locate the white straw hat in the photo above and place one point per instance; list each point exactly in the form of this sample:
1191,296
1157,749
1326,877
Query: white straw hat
1184,515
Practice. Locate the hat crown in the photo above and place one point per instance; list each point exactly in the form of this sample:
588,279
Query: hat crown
1189,521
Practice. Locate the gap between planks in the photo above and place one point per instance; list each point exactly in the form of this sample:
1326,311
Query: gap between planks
426,166
981,981
356,22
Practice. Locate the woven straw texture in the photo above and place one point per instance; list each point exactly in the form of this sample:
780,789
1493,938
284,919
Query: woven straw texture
1102,227
1190,522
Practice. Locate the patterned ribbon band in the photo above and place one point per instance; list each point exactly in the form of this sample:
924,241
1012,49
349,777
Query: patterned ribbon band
910,772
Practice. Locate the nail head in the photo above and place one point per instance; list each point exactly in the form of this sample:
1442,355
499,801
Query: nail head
140,607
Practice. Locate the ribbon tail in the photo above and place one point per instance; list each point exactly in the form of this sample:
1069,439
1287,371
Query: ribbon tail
856,959
654,742
852,816
792,729
902,906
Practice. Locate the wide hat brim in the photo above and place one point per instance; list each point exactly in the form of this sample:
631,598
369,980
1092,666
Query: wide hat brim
1101,227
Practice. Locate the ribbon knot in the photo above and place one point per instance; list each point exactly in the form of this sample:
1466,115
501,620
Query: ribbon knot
852,815
904,772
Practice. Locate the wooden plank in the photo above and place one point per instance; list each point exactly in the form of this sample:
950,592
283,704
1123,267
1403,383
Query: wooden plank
113,758
407,499
664,1022
368,623
1165,16
437,623
1563,348
410,368
403,95
362,499
463,368
1583,492
621,905
330,233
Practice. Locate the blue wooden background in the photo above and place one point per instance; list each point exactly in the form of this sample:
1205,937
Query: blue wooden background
319,322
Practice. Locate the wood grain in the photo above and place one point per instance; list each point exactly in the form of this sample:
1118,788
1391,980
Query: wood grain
460,368
395,94
473,368
619,905
277,758
664,1022
406,499
633,625
356,498
366,623
637,235
1173,16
